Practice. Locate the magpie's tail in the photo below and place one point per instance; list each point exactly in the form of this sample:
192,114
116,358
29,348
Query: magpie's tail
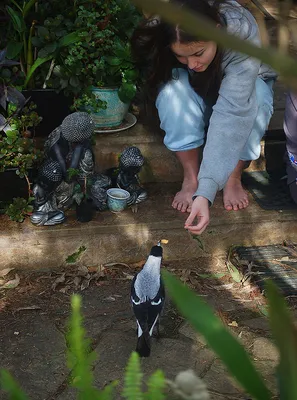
143,347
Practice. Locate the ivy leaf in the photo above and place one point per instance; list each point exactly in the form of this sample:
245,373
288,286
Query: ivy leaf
47,50
14,49
127,92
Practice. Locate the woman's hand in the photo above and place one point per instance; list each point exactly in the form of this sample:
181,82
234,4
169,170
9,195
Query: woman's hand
200,210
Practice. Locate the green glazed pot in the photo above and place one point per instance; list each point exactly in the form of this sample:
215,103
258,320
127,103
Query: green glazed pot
115,111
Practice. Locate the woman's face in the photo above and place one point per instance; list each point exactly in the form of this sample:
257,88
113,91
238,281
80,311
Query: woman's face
197,55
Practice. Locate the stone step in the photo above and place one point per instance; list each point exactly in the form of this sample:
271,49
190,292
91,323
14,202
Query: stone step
127,236
161,165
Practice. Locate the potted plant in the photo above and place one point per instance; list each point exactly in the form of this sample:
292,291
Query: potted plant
18,152
37,40
99,68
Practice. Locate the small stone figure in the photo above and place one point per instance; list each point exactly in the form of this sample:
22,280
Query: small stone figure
67,147
131,162
46,211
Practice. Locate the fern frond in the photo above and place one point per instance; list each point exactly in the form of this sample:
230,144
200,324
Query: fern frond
107,392
133,379
156,386
8,384
79,357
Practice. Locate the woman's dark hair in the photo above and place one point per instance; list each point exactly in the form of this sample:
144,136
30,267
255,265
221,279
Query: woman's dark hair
151,43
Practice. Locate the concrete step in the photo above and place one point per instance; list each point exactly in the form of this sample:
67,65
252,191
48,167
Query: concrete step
127,237
161,165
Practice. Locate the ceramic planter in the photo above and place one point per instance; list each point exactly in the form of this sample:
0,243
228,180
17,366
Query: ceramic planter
51,106
115,111
14,186
85,210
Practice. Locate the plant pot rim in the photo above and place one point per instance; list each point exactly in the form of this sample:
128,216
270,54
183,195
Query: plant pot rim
40,90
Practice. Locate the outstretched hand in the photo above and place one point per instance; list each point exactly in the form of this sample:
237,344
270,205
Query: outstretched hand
200,211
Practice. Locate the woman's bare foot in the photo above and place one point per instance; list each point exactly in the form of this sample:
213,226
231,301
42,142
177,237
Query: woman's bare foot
183,199
235,197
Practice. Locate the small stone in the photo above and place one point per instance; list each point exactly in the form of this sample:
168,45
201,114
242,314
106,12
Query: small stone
264,349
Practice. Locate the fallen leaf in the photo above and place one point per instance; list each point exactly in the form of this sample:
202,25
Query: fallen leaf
138,264
28,308
200,243
65,289
60,279
233,323
235,274
72,258
77,281
164,241
110,298
109,265
13,283
129,277
82,271
85,284
5,271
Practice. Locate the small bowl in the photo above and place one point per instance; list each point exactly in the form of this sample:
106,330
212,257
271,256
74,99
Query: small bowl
117,199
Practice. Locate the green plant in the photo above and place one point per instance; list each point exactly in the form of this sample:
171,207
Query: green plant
102,56
8,92
19,209
88,101
26,35
17,148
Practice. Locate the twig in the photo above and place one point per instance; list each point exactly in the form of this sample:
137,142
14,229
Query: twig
29,185
51,68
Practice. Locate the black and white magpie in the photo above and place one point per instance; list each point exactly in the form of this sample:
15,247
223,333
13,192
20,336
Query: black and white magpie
147,297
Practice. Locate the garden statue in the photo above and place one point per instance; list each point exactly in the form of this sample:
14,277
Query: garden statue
68,176
131,162
68,148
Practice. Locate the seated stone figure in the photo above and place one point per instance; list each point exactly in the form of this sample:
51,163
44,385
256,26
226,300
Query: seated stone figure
126,175
68,146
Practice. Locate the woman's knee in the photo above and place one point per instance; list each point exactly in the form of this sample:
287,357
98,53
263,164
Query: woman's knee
181,113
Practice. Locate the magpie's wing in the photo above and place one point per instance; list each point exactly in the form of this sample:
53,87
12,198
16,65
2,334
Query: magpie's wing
134,297
140,309
155,307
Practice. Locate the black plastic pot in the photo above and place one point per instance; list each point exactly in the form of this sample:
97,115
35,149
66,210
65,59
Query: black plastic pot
85,210
51,106
13,186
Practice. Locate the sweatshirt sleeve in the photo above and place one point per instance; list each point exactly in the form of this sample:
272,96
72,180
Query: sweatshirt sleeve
232,118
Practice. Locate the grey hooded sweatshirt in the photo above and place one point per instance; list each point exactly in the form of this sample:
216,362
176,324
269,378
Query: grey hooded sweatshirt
235,111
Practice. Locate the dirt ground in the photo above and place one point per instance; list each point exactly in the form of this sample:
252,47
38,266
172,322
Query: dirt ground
34,315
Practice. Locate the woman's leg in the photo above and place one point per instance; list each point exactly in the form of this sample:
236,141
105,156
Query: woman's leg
235,197
183,117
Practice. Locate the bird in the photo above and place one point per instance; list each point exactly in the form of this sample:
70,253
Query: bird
147,298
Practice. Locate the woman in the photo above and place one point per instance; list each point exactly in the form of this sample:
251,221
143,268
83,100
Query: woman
208,96
290,129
